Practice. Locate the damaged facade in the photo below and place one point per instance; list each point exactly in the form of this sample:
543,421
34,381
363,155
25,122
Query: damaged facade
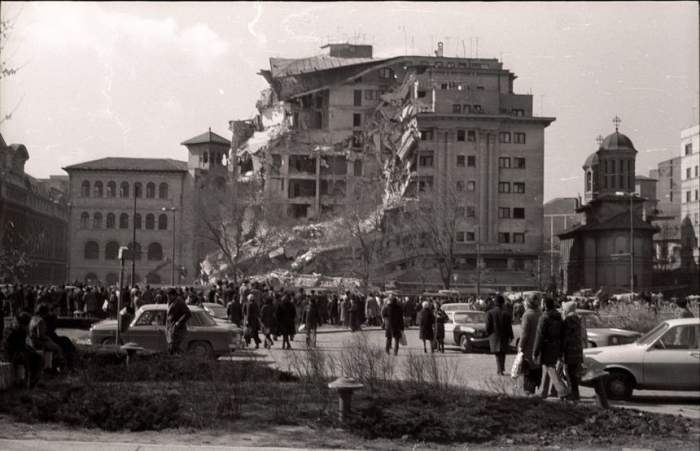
422,124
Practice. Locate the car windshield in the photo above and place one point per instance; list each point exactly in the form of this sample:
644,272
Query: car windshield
201,319
470,317
651,336
216,310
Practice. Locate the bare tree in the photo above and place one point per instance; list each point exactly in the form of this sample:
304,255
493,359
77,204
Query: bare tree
6,68
17,249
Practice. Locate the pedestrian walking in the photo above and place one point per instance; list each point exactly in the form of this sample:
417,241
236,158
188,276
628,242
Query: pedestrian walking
426,322
267,319
548,347
251,321
311,322
234,311
176,319
532,373
393,324
574,342
286,321
440,319
499,328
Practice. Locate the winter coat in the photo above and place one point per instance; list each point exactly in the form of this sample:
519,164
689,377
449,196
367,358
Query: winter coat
426,321
312,317
573,343
251,316
549,337
267,318
440,319
529,322
286,318
499,328
234,312
393,320
177,311
372,307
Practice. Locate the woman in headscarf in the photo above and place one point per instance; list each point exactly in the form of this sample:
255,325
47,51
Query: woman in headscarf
426,321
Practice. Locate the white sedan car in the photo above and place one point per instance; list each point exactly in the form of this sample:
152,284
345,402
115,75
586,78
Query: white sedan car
665,358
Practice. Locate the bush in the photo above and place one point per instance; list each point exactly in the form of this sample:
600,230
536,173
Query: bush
367,363
629,317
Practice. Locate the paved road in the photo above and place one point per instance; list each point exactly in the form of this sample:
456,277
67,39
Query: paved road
477,371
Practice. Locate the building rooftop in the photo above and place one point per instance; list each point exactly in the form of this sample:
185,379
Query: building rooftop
618,222
207,137
617,141
130,164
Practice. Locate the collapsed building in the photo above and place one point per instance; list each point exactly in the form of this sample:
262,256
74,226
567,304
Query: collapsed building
328,124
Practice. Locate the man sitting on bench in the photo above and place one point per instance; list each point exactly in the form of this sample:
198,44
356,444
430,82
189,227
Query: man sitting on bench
22,355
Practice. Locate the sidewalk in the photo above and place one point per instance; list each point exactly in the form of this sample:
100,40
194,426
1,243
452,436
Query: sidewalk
60,445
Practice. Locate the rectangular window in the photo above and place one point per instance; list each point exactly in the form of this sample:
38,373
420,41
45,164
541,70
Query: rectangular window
503,237
471,136
370,94
696,194
356,120
696,170
504,187
519,238
319,101
460,135
476,108
425,160
357,101
385,73
459,186
443,86
466,109
357,139
460,161
504,162
503,213
425,184
612,166
687,173
460,212
471,161
518,112
519,187
471,236
519,138
689,149
471,212
460,237
457,108
421,94
519,213
519,163
357,168
504,137
426,135
471,185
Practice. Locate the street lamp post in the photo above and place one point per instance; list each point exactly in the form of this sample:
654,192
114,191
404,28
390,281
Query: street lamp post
133,238
172,256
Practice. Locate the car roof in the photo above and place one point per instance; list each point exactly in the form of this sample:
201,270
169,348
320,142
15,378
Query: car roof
193,308
682,321
469,311
214,304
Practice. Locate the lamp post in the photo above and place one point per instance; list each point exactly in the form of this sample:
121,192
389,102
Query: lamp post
133,237
172,257
478,263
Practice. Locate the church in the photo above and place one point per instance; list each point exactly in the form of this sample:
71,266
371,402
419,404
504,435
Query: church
612,247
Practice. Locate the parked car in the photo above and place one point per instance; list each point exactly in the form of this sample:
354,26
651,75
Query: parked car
216,311
665,358
204,336
605,336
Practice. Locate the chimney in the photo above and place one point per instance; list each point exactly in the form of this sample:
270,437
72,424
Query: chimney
439,50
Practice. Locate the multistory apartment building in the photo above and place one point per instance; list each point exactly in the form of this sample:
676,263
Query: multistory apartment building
690,182
667,242
559,215
33,223
434,124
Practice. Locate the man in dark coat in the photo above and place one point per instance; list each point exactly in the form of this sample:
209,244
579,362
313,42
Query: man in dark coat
426,321
251,321
286,320
20,353
176,321
573,344
548,346
312,318
532,370
234,311
393,321
499,328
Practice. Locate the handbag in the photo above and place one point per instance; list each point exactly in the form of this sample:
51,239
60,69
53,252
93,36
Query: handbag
402,340
517,368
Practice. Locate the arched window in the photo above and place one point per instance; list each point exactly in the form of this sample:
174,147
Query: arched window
163,222
136,248
112,250
150,222
137,221
124,189
97,221
91,278
163,191
153,278
92,251
589,180
111,279
85,189
150,190
110,221
85,220
111,189
123,221
155,252
98,189
138,189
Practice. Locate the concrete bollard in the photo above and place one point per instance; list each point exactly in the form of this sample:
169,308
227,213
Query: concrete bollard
345,386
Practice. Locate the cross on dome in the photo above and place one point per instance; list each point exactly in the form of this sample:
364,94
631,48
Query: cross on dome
616,120
599,139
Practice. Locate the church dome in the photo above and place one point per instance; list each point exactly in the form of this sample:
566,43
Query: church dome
591,161
617,141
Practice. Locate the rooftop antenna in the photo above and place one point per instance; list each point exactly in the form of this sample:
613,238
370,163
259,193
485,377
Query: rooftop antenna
464,50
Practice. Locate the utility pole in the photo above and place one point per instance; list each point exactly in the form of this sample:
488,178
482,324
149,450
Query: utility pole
631,245
133,239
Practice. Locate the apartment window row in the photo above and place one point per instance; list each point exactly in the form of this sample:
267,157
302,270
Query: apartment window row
517,187
465,237
466,161
508,163
515,238
689,149
465,212
460,186
508,213
515,137
688,196
91,251
455,85
689,172
458,108
109,221
109,189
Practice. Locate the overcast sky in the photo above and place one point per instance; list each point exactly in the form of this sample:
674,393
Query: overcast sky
136,79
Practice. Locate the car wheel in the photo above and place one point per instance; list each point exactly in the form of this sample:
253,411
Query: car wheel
201,349
465,343
618,386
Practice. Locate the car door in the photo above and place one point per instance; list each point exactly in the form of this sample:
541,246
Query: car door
673,360
148,330
449,330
